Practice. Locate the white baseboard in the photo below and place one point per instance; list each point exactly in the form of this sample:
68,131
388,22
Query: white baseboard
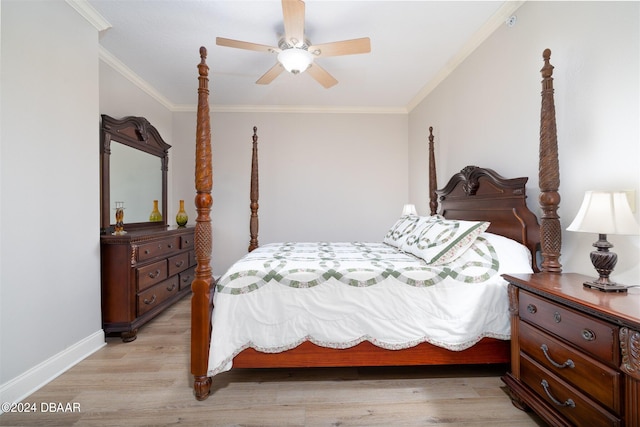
27,383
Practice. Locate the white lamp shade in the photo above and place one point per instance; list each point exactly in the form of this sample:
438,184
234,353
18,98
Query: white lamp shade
605,212
409,210
295,60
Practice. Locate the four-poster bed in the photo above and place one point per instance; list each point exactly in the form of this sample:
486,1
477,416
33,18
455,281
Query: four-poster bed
474,194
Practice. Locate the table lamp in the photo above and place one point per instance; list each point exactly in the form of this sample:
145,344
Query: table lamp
604,212
409,209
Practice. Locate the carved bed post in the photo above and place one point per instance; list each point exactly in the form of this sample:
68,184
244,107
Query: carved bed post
433,181
201,285
549,174
254,195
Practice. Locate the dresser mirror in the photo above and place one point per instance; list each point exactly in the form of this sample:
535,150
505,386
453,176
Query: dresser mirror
134,163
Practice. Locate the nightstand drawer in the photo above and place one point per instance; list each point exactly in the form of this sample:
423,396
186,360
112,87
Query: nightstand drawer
597,338
592,377
575,406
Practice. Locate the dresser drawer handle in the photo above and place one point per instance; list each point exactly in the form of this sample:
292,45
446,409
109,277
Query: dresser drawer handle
172,287
154,274
569,402
179,263
556,317
568,364
588,335
150,301
532,308
170,245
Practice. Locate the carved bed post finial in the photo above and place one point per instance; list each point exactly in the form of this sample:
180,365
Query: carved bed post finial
433,183
255,190
549,174
203,281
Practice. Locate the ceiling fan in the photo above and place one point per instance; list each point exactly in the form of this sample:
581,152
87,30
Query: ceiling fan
295,53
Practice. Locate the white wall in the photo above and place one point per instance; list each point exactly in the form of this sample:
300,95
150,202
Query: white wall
322,177
49,216
487,113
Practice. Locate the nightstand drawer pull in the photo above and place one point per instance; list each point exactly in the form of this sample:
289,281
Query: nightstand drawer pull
150,301
569,402
568,364
588,334
556,317
532,308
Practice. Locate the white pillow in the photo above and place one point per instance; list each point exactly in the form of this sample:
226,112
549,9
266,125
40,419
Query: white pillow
440,241
514,257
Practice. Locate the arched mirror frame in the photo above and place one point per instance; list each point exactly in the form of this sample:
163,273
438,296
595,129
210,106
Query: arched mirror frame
138,133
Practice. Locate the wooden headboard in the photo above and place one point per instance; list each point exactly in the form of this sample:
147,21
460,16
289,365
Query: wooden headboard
481,194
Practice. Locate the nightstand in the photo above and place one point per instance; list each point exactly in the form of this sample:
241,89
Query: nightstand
575,351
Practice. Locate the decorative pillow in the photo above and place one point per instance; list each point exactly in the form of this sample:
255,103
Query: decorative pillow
403,227
412,237
440,241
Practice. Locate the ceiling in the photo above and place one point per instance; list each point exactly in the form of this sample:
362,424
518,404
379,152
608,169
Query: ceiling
414,45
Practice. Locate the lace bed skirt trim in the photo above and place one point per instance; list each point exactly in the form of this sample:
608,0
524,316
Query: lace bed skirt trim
226,364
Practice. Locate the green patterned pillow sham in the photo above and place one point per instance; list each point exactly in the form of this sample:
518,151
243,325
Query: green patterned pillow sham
404,228
440,241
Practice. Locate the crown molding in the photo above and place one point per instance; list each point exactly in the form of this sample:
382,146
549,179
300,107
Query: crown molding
90,14
142,84
498,19
108,58
307,109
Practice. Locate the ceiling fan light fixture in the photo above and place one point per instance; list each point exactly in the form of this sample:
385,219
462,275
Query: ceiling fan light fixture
295,60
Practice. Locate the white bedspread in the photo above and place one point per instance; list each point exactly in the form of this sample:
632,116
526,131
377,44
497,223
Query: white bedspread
340,294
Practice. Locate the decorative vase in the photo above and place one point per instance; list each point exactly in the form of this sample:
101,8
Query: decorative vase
155,215
119,227
182,217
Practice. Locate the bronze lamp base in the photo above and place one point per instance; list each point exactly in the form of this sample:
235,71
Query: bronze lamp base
604,261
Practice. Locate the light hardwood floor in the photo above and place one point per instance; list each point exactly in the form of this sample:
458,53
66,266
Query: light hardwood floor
147,382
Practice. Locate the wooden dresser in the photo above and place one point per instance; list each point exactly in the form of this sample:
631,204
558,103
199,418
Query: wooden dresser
144,272
575,352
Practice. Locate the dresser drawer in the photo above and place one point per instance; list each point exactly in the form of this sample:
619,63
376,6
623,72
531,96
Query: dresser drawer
155,295
575,406
186,277
158,248
178,263
592,377
151,274
597,338
186,242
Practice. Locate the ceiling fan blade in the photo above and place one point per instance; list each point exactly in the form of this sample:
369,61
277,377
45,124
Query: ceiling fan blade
345,47
270,75
221,41
293,14
321,76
